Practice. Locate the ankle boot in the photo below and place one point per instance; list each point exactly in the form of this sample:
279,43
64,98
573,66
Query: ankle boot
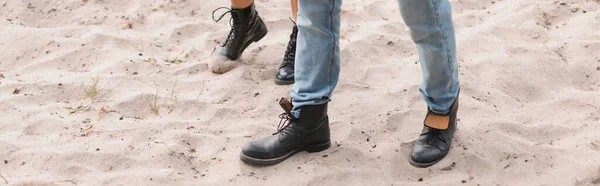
285,73
435,140
309,132
246,28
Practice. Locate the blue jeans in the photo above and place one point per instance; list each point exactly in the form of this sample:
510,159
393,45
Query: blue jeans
318,53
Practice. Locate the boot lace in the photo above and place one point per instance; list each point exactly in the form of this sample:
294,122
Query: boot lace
233,22
435,133
290,52
284,123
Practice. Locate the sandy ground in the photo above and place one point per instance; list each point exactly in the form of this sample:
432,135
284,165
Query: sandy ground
99,92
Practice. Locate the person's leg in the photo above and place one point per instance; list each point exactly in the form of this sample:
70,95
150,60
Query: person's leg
294,7
285,72
318,62
316,76
432,29
241,4
246,27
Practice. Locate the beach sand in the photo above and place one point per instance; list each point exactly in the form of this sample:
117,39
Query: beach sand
100,92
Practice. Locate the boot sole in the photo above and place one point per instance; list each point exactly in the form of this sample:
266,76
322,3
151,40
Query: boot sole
424,165
273,161
284,82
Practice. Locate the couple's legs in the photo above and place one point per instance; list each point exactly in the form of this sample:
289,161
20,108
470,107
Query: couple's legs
431,27
430,23
317,72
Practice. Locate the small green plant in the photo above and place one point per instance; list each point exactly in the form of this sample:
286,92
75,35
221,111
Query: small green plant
154,103
175,60
80,108
173,96
86,131
91,91
94,93
151,61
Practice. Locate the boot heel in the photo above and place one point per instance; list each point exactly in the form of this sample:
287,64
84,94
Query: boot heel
261,35
262,31
318,147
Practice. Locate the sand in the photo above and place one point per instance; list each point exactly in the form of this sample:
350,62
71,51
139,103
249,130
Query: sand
120,93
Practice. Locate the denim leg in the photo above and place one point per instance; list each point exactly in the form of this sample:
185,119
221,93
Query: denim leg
432,29
317,53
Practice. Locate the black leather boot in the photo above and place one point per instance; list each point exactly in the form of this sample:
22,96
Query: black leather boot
435,140
246,28
285,73
309,132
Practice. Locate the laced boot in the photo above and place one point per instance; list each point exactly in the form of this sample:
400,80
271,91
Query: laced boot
246,28
435,140
309,132
285,73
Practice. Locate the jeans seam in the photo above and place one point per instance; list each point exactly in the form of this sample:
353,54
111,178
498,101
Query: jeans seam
333,49
437,19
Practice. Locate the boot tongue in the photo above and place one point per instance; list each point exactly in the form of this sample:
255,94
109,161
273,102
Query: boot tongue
244,14
437,121
287,107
